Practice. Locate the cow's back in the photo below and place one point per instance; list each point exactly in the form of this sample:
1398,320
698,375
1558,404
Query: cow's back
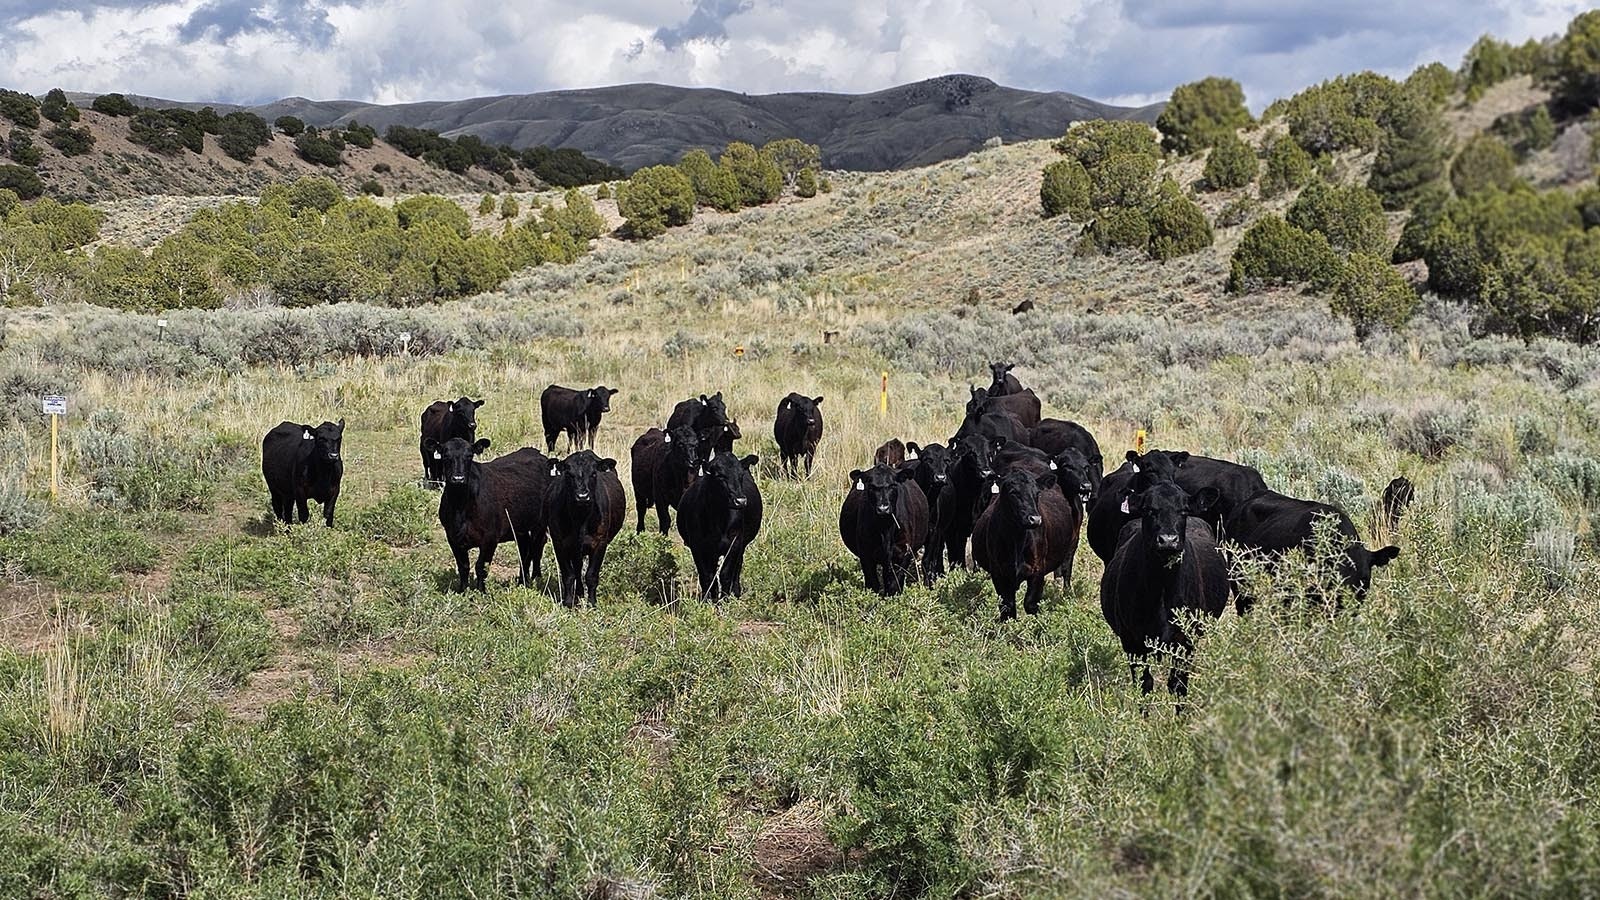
434,419
283,449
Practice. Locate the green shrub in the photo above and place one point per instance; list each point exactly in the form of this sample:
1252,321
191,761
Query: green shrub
486,205
1093,142
70,141
1065,190
654,199
372,188
792,156
382,168
316,148
21,149
1178,226
577,217
1577,65
1341,114
1288,167
1201,113
1238,211
426,209
20,108
603,192
1120,228
292,126
1369,292
308,193
114,105
1232,164
359,135
1349,216
1471,232
566,167
1426,211
1484,163
1122,180
153,130
240,133
714,186
805,183
1487,63
56,108
1433,82
22,181
760,180
1411,151
1274,252
509,207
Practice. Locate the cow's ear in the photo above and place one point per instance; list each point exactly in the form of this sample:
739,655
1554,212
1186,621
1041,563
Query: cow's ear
817,400
590,393
1045,480
1180,457
1010,366
431,445
785,403
749,462
994,487
855,479
306,435
341,426
477,403
1385,556
972,388
480,445
912,449
1133,457
1205,499
555,468
997,443
612,391
1132,503
606,465
905,474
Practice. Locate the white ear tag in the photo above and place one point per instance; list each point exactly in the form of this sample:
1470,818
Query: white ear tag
1052,465
554,471
702,472
306,436
667,439
437,455
860,486
911,455
994,488
1135,471
1125,506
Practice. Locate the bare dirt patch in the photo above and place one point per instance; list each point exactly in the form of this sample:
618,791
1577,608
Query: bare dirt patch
793,847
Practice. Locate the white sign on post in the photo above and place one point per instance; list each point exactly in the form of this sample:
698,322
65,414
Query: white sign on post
55,405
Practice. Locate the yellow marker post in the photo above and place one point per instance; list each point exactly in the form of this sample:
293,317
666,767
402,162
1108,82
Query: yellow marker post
1138,441
883,394
55,406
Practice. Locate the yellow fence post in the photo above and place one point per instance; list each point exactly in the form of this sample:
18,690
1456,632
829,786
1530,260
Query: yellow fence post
883,394
1138,441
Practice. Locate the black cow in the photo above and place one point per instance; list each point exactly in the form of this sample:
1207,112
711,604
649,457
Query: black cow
994,424
1055,435
1396,497
708,416
891,453
486,504
1004,382
1166,560
718,518
583,508
797,428
1234,483
930,465
441,421
1275,524
577,412
664,465
1022,405
1071,473
971,472
1027,532
301,463
884,522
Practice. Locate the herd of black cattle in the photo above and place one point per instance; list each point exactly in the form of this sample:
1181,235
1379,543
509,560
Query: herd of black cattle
1018,486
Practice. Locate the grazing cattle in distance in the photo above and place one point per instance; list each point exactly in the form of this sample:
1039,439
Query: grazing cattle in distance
718,517
1027,532
301,463
891,453
1234,483
971,469
1275,524
1166,560
583,509
441,421
1003,382
797,428
1022,405
1020,308
483,505
1055,435
708,416
1396,497
884,522
664,465
574,411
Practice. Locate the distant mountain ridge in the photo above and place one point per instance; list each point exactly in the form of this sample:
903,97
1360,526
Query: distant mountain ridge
637,125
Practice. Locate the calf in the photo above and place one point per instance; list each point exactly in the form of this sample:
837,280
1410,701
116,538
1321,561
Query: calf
441,421
1275,524
483,505
1025,534
1166,560
971,469
719,516
301,463
884,522
892,453
1023,405
1396,497
1056,435
1107,515
1003,382
797,429
708,416
664,464
583,508
577,412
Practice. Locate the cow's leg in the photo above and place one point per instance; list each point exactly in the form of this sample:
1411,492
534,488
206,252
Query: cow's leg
733,570
869,575
550,440
1030,601
461,554
705,565
1007,589
485,556
811,457
327,509
303,510
664,516
592,581
643,503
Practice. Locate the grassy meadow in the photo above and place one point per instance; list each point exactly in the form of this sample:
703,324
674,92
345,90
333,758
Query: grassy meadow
195,702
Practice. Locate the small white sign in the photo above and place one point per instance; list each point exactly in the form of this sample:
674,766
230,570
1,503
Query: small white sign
55,405
405,337
161,323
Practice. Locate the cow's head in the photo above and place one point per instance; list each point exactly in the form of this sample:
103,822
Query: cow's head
974,455
1075,474
975,402
1163,510
326,439
466,412
454,457
580,474
999,372
805,407
715,406
598,399
1017,493
683,444
1357,563
732,476
883,487
934,460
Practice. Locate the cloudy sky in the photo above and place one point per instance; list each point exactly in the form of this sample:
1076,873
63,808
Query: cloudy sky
399,50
